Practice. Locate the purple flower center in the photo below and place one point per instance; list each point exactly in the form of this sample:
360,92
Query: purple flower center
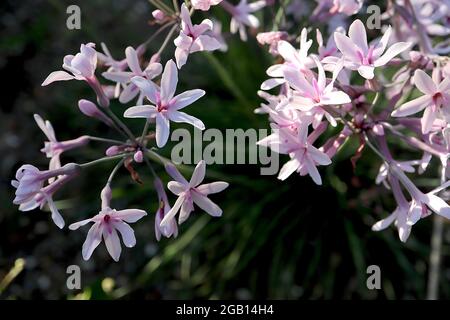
106,218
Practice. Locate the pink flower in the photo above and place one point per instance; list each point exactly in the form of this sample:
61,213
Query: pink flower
242,16
408,213
170,228
310,96
82,66
30,190
348,7
130,90
204,5
436,99
293,59
106,224
362,57
53,148
192,38
192,192
304,156
166,106
271,38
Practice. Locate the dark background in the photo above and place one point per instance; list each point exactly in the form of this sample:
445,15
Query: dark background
279,240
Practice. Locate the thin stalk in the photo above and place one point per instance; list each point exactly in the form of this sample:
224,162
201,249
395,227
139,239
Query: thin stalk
175,5
161,5
435,253
157,32
104,159
114,171
106,140
166,41
144,132
120,124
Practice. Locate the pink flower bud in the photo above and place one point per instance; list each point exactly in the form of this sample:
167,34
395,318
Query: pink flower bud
90,109
113,150
158,15
138,156
106,196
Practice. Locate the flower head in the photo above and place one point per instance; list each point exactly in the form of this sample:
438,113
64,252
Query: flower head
106,224
167,105
81,66
193,38
192,192
436,99
361,56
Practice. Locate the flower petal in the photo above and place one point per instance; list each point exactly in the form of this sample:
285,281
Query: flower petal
169,81
357,34
213,187
162,130
57,76
199,174
147,87
206,204
130,215
424,82
391,52
127,233
132,60
186,98
145,111
93,239
112,243
412,107
182,117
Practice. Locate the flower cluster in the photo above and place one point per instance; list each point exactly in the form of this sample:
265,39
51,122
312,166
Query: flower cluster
337,84
338,89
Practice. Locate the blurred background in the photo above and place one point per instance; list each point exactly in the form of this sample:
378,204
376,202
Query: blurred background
276,240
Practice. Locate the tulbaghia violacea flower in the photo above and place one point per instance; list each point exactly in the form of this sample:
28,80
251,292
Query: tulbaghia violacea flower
408,213
271,38
193,38
170,228
293,59
204,5
192,192
81,67
360,56
310,96
130,90
304,156
106,224
348,7
166,106
30,190
241,16
53,148
436,99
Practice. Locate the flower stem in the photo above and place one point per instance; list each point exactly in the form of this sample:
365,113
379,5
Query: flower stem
114,171
166,40
104,159
106,140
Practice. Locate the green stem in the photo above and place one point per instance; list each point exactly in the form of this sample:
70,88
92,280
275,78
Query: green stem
166,41
106,140
104,159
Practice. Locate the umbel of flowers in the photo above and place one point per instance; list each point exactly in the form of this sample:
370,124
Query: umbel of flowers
330,84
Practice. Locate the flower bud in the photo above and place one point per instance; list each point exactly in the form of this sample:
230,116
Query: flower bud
158,15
